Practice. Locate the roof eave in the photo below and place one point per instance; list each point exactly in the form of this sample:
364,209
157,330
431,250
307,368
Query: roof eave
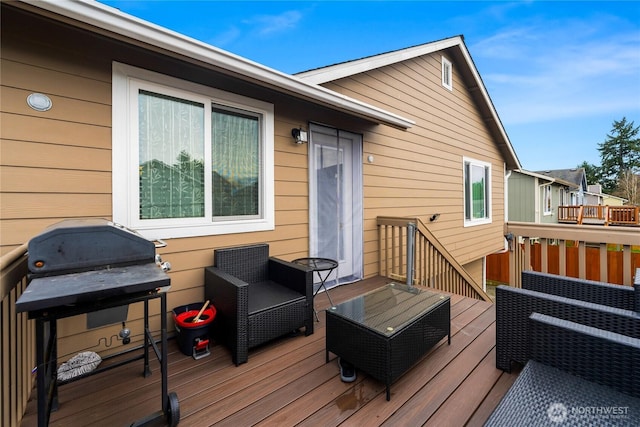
108,19
349,68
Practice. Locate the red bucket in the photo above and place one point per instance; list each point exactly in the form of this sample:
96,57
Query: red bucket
193,336
185,319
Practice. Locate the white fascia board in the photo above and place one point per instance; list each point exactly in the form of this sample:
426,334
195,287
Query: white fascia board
112,20
487,98
345,69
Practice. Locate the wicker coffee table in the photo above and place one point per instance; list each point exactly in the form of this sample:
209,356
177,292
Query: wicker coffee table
385,331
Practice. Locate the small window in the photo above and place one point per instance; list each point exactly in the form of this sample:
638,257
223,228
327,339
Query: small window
477,192
447,73
546,198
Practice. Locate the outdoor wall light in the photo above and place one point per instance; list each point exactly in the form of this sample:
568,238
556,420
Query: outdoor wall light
509,237
434,217
299,135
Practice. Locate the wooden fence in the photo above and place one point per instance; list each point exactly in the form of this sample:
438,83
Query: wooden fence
498,264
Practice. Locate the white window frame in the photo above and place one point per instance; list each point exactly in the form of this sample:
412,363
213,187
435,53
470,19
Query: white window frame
447,74
469,222
547,208
125,178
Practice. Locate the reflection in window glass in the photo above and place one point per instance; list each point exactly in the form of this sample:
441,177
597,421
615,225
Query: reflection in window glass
476,191
171,148
236,164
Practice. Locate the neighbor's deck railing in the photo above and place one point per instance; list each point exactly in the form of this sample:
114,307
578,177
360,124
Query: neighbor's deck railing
17,344
431,264
560,237
608,215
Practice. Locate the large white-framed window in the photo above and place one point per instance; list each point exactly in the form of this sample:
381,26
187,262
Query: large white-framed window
477,192
189,160
546,200
447,73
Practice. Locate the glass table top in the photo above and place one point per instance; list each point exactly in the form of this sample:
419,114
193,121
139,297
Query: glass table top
387,309
317,264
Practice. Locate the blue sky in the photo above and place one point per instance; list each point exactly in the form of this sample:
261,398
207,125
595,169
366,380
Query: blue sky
559,72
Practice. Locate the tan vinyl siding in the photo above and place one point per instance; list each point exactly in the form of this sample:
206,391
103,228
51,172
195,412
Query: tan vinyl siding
475,270
419,172
57,164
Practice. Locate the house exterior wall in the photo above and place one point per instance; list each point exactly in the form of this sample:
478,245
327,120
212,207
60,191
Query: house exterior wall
551,218
522,200
476,270
419,172
612,201
57,164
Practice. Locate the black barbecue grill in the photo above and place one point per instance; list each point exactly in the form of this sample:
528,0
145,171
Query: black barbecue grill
89,266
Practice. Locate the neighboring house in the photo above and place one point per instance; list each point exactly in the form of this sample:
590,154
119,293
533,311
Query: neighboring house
408,133
535,198
577,177
595,196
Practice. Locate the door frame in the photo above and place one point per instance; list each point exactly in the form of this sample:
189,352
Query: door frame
351,267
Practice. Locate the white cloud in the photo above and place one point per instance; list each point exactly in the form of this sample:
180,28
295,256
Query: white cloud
226,38
270,24
562,69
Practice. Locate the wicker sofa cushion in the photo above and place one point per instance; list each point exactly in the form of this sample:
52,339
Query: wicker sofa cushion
546,396
269,294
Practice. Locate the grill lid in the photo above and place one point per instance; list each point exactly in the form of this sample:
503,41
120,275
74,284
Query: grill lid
84,244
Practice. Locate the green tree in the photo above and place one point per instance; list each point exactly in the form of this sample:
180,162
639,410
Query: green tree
592,172
619,153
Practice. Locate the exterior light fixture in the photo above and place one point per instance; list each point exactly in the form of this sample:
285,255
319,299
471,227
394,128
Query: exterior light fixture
299,135
509,237
39,102
434,217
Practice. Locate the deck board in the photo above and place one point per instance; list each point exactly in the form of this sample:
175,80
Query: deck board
287,382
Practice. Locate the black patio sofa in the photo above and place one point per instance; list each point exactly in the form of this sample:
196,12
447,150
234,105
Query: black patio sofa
576,376
578,355
514,306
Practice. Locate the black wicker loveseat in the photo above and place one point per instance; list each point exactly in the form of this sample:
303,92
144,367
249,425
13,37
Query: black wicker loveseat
514,306
582,359
258,298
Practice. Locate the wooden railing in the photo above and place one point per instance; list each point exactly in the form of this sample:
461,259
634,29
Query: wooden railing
558,242
625,215
430,265
606,215
17,344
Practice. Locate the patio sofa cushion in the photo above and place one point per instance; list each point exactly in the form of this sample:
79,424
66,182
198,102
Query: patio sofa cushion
268,295
625,297
546,396
597,355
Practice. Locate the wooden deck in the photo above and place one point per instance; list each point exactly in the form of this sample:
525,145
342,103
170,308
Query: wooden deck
287,382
